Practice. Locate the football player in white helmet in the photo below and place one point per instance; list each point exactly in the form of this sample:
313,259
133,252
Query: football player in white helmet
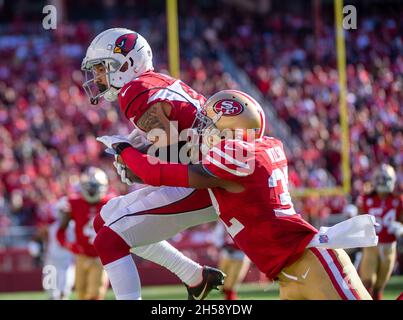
118,66
114,58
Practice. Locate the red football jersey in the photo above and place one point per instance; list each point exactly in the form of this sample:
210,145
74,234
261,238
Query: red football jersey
151,87
83,214
384,210
261,219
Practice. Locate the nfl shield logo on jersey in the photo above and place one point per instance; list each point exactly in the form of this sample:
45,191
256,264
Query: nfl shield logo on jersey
323,238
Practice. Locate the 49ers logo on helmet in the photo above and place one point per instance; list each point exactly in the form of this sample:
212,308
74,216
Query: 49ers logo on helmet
125,43
228,107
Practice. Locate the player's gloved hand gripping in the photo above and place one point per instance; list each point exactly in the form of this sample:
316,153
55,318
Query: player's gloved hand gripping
109,141
136,139
154,172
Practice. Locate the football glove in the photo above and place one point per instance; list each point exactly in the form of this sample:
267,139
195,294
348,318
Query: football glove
138,139
122,172
396,228
109,141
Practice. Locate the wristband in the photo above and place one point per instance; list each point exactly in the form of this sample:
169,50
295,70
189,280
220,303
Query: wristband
154,172
121,146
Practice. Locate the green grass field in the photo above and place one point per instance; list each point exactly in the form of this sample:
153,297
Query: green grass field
250,291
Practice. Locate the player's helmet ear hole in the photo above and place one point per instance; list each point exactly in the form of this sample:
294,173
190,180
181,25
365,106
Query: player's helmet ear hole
124,67
131,62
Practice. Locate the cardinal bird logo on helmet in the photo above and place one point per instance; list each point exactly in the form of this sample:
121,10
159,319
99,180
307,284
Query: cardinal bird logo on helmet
125,43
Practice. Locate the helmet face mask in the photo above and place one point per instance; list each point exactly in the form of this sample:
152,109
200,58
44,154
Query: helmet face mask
93,184
93,87
203,122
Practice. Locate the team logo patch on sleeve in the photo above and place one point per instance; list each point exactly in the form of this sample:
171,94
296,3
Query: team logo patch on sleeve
228,107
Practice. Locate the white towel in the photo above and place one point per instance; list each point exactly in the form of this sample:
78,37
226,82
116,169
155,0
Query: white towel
356,232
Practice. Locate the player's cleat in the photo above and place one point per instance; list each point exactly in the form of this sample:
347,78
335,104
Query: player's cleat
212,278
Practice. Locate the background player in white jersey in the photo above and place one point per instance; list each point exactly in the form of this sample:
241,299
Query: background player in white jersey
120,61
58,263
63,262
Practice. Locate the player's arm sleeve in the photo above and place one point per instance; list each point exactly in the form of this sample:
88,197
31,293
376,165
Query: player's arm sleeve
361,205
400,210
154,172
229,161
149,115
61,233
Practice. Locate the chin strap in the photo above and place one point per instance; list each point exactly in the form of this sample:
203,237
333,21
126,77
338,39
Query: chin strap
112,94
217,117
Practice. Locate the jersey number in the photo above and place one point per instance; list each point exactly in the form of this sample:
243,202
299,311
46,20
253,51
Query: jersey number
385,221
235,227
285,199
281,175
88,231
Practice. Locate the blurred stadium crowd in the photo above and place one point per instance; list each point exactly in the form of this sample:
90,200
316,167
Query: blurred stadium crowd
48,127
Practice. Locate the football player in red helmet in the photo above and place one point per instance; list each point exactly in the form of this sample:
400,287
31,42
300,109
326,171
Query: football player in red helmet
377,262
247,181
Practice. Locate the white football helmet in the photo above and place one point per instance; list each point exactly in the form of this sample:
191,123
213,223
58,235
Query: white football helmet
123,53
93,184
384,179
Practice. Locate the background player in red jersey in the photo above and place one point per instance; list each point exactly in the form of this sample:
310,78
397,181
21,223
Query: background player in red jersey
120,61
247,182
377,262
91,281
232,261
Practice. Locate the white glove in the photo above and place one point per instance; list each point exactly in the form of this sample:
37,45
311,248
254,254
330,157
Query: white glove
109,141
396,228
138,139
122,172
34,249
63,205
